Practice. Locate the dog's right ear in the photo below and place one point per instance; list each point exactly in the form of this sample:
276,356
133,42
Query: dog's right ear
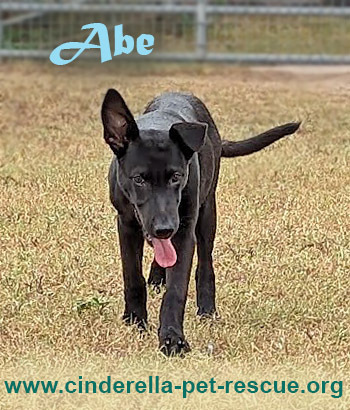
119,126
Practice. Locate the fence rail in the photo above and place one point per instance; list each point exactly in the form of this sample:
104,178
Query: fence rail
178,9
296,32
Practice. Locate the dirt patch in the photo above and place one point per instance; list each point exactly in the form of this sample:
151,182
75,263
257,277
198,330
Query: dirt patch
329,77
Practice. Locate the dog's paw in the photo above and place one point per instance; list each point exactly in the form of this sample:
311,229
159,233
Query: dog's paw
156,278
207,312
131,318
156,287
173,345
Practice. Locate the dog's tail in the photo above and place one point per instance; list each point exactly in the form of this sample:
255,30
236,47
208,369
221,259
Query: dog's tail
232,149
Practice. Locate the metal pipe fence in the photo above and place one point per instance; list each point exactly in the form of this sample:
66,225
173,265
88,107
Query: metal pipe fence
251,31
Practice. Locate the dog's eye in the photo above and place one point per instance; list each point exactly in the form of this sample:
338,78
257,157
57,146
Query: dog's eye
138,180
176,178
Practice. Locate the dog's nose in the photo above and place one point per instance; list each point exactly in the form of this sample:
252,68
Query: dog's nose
163,233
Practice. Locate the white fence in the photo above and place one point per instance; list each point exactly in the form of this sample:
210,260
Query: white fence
289,31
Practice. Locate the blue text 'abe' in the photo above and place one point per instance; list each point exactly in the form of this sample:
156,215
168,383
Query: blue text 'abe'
124,44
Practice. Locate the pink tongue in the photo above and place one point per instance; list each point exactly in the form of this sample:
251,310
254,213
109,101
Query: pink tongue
164,252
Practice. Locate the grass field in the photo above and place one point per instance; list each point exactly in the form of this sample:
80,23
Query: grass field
282,253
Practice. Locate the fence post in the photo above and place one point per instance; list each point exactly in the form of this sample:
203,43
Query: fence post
201,41
1,33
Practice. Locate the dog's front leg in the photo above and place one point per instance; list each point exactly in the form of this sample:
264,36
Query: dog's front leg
131,248
171,337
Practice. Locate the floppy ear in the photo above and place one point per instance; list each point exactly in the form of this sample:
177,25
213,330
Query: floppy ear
118,123
189,135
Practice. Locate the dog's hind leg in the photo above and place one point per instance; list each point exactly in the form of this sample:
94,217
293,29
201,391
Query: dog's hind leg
156,277
205,277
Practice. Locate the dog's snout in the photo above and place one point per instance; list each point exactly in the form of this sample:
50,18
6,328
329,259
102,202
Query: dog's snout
163,233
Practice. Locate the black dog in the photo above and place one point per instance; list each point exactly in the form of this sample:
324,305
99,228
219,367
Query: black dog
162,181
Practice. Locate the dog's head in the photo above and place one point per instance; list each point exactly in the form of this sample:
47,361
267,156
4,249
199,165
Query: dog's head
153,170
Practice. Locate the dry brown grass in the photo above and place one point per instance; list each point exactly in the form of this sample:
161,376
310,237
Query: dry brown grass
281,256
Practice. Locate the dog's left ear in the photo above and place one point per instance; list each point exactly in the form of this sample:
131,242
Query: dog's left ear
189,135
119,125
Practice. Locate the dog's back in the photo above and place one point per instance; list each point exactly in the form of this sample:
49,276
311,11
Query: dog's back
172,107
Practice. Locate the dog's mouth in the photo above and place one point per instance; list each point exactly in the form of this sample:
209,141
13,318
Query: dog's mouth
164,251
